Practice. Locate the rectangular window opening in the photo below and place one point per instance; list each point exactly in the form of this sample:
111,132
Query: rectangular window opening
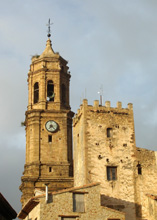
109,132
50,169
111,173
78,202
68,218
50,138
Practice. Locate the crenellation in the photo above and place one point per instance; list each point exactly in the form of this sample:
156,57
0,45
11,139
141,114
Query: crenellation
107,104
96,104
119,105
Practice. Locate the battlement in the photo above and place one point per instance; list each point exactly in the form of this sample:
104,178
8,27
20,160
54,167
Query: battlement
102,109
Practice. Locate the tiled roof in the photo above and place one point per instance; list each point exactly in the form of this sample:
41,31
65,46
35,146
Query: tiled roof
6,209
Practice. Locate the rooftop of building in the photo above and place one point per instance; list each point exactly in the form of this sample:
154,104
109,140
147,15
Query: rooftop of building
6,209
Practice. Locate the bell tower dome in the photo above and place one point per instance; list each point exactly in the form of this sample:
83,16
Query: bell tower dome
48,125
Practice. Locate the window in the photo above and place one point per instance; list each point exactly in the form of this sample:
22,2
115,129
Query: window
50,138
36,92
68,218
78,202
109,132
50,169
111,173
139,168
113,219
63,92
50,91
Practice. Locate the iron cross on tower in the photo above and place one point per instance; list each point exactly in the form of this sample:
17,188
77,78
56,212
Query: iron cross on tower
49,28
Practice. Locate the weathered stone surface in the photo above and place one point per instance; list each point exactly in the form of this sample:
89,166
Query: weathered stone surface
94,151
60,205
48,161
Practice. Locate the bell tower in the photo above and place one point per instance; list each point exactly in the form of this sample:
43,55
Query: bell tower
48,124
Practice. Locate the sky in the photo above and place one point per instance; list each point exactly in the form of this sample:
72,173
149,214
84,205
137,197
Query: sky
110,45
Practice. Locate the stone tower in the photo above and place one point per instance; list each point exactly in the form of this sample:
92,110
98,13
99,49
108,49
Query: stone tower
48,125
105,151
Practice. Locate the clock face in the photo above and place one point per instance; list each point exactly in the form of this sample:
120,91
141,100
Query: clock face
51,126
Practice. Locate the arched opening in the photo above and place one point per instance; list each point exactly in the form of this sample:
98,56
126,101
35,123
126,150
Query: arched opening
50,91
63,94
36,92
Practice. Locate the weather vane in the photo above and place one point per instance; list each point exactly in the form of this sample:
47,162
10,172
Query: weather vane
49,28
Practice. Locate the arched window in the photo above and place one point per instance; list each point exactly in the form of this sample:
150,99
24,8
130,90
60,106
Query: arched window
109,132
50,91
63,94
36,92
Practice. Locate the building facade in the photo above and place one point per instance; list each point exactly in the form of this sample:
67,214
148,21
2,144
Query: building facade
77,203
48,125
105,151
6,210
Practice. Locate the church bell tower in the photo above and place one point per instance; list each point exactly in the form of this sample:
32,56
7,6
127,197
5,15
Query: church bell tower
48,125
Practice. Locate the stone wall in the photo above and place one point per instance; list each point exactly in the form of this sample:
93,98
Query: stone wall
152,207
61,205
95,150
146,182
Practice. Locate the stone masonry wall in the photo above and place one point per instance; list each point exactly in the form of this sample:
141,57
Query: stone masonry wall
146,182
101,151
62,205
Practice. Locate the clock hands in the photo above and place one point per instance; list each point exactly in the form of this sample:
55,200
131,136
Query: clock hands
51,126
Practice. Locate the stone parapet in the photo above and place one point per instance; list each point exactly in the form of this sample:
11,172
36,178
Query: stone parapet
102,109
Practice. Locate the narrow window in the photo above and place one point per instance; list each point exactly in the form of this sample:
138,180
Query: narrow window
68,218
139,168
50,169
50,138
109,132
111,173
36,92
78,202
50,91
113,219
63,94
62,68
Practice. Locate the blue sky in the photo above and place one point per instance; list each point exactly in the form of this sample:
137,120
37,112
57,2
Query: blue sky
108,43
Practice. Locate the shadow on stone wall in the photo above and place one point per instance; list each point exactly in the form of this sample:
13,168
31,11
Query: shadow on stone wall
131,209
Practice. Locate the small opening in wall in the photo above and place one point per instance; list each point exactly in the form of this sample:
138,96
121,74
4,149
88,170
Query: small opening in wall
125,145
50,91
111,173
50,169
139,168
50,138
36,92
109,132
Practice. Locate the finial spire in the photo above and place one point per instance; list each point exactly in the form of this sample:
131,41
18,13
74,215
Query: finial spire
49,28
